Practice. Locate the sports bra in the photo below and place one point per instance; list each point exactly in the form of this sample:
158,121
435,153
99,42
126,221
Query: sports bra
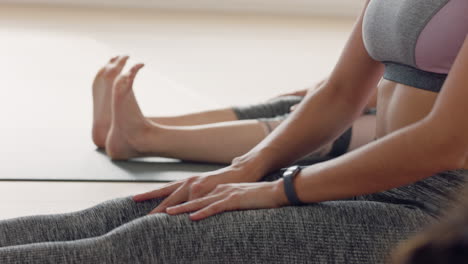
417,40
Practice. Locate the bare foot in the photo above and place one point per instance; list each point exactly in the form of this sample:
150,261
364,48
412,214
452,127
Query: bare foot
102,94
128,126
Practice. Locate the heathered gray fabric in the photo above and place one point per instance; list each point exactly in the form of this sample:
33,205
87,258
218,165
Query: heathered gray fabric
279,109
360,230
414,77
275,110
391,28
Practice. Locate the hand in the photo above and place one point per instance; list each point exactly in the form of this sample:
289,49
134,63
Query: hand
194,187
229,197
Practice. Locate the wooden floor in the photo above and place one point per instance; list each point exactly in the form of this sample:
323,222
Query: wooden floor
203,60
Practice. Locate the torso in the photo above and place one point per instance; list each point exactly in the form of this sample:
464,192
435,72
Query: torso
418,41
401,105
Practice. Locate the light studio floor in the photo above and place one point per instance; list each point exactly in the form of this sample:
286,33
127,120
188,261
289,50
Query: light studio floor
195,61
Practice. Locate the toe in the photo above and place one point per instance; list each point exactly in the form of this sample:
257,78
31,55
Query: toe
134,70
124,82
121,84
120,63
115,68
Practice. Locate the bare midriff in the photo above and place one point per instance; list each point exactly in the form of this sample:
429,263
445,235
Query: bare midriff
401,105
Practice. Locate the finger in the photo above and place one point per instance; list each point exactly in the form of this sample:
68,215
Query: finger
212,209
158,193
112,60
193,205
179,196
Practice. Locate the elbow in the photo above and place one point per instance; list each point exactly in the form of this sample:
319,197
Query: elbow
456,158
446,157
450,147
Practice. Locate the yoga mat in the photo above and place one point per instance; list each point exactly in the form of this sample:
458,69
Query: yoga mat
46,113
49,145
46,136
94,165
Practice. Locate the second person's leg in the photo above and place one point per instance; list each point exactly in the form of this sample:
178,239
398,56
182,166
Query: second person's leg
133,135
329,232
102,97
92,222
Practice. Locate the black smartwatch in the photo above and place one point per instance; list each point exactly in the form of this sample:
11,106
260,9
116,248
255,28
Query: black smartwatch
288,178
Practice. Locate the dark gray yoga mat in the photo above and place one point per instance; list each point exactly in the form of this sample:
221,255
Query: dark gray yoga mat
45,135
94,165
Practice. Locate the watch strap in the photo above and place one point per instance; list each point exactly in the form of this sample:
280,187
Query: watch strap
288,178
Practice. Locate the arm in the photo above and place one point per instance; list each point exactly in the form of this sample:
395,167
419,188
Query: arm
437,143
344,95
372,103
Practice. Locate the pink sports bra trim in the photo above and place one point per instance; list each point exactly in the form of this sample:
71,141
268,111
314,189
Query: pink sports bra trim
442,38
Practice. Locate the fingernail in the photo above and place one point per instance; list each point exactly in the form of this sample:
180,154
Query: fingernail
193,217
172,208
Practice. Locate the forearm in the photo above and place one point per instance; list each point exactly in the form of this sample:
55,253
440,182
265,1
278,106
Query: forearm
323,116
399,159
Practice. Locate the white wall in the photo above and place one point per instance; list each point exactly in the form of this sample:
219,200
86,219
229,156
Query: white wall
302,7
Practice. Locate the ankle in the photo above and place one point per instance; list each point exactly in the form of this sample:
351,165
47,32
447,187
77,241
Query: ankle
138,140
146,140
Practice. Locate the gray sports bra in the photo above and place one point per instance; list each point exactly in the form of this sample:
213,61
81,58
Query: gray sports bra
417,40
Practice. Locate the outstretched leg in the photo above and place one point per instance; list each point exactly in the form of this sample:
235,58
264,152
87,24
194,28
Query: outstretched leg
92,222
132,135
102,97
330,232
360,230
199,118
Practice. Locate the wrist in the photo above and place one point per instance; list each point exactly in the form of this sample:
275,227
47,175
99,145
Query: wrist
247,172
253,164
279,193
289,185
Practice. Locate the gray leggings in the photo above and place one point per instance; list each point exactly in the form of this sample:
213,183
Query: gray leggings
359,230
278,109
274,110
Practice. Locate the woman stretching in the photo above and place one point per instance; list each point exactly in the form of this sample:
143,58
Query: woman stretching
351,209
216,136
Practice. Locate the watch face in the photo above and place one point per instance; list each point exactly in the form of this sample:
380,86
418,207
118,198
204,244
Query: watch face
293,168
